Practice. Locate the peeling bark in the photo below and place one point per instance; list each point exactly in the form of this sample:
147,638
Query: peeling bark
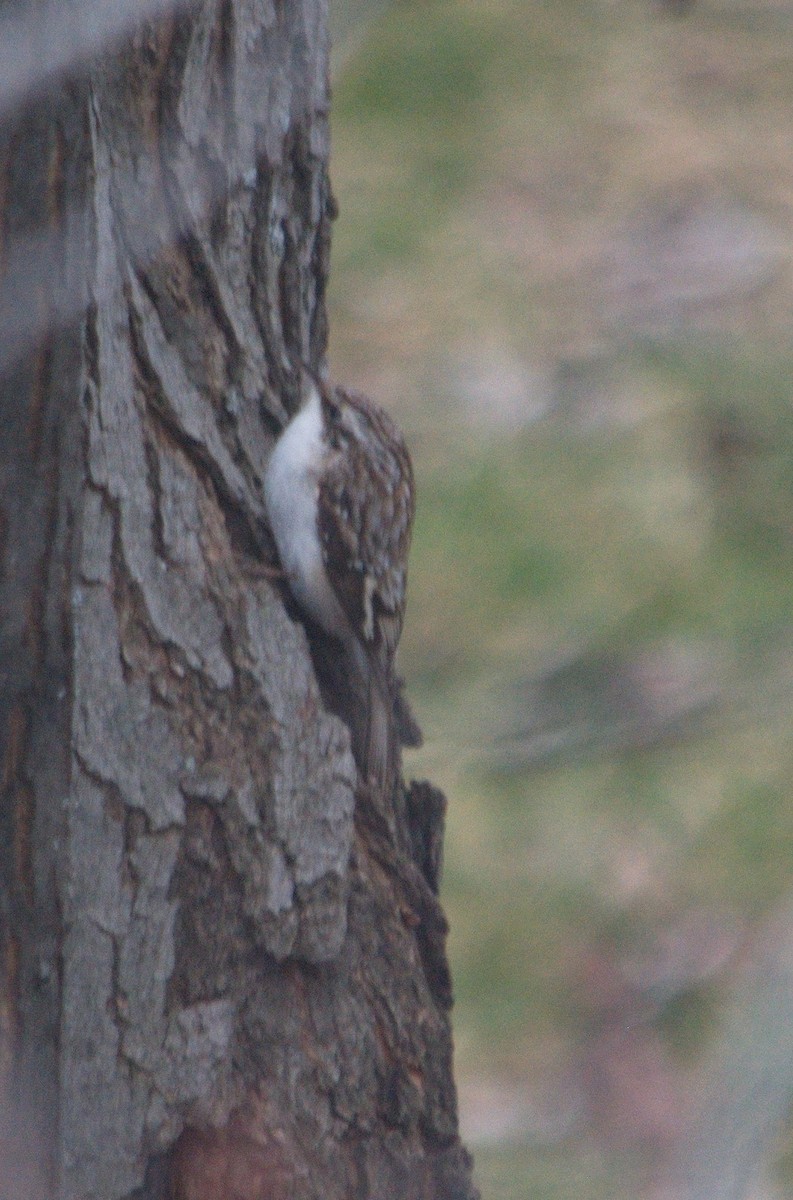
220,978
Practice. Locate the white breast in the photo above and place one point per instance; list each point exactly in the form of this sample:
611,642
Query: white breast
290,491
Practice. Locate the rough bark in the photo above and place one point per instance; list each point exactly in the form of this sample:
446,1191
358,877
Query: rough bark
221,977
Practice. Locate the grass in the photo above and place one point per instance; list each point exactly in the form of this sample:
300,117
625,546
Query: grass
528,1171
586,493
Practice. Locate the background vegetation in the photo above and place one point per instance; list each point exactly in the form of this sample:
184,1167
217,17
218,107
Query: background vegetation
564,260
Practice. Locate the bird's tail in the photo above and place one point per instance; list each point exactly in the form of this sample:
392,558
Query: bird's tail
375,739
381,749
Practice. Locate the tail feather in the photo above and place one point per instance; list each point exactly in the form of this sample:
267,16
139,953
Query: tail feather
379,749
373,726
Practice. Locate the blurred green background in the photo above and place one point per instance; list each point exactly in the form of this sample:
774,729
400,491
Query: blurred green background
564,261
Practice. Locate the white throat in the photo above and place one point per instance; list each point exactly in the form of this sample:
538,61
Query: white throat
291,487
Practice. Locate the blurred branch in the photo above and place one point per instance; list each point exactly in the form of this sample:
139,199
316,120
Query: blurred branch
752,1083
629,696
60,37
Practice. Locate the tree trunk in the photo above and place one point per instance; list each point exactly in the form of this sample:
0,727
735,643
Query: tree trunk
221,978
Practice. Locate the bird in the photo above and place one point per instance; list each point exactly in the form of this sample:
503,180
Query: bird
340,498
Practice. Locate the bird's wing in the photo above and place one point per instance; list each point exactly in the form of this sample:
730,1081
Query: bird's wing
365,531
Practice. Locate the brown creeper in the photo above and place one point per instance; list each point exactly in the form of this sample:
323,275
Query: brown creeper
339,494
